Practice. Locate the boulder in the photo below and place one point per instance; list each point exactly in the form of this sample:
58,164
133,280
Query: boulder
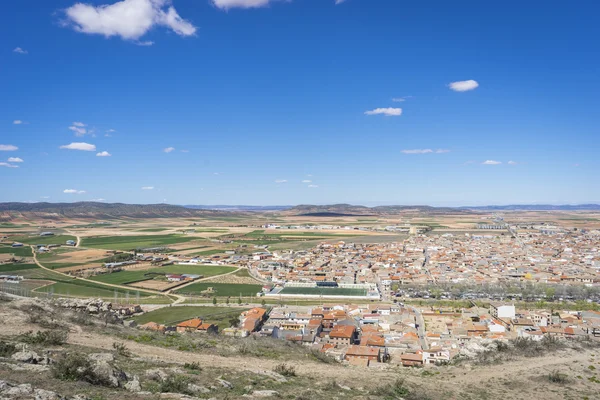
197,389
25,356
265,393
97,357
134,385
18,391
41,394
225,383
156,374
109,374
272,374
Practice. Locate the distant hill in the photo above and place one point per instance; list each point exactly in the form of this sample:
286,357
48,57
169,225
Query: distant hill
89,209
354,210
538,207
238,208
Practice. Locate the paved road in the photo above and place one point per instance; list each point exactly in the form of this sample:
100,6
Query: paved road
421,330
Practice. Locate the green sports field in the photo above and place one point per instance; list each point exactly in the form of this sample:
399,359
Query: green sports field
134,242
324,291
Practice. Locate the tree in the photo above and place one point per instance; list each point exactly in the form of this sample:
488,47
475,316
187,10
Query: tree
239,300
227,300
214,301
263,302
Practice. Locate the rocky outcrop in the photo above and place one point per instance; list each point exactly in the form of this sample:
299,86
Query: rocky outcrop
26,391
98,306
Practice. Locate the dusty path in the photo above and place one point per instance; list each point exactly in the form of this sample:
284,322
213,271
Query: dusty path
152,353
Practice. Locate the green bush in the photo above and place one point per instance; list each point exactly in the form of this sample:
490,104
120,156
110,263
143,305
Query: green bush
285,370
76,367
557,377
52,337
7,349
175,384
121,349
195,366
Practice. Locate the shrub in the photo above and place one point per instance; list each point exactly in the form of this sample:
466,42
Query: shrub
392,390
322,357
175,384
556,377
81,318
121,349
285,370
7,349
195,366
52,337
76,367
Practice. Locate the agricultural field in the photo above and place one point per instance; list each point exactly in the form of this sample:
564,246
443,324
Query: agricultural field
135,242
86,289
9,269
124,277
45,240
173,315
324,291
221,289
24,251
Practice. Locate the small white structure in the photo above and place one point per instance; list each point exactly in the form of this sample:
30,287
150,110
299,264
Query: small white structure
500,310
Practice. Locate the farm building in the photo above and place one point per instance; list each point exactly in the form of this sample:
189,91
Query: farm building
17,245
47,234
71,243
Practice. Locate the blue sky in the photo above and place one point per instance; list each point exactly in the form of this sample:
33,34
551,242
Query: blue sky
302,101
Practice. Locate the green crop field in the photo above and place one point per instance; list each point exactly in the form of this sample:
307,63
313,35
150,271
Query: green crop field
86,289
324,291
124,277
174,315
134,242
59,265
45,240
221,289
17,251
9,269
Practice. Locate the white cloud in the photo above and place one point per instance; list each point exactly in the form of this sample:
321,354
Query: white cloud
103,154
17,122
417,151
44,197
313,186
339,2
280,180
463,86
306,181
512,163
442,151
127,19
79,146
185,151
7,165
169,149
390,112
15,159
8,147
226,4
73,191
79,128
99,200
398,99
491,162
110,131
20,50
147,187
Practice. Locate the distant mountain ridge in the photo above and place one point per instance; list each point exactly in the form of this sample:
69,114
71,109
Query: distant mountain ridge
539,207
90,209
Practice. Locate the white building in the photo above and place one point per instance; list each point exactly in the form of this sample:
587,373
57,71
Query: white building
500,310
